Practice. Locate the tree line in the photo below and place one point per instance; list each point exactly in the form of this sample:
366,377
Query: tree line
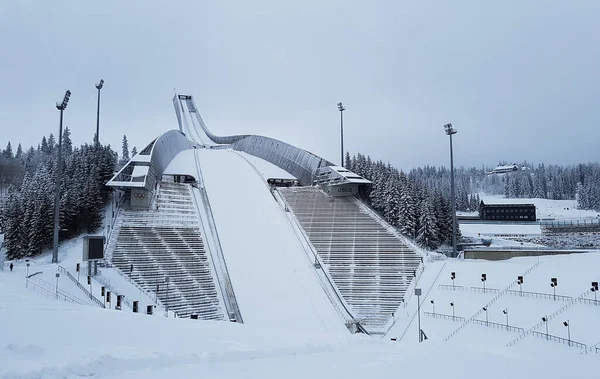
27,182
420,212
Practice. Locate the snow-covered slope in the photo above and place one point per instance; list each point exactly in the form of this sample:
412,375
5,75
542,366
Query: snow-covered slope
274,283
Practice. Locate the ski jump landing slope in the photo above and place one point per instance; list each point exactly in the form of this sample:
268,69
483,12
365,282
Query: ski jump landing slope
274,283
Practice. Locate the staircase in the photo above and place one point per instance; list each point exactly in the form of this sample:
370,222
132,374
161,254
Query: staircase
163,251
371,266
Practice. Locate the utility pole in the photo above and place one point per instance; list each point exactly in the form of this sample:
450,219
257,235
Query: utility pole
98,87
450,131
61,107
341,109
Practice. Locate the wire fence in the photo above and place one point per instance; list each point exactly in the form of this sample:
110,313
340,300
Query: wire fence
539,295
590,302
496,325
445,317
550,337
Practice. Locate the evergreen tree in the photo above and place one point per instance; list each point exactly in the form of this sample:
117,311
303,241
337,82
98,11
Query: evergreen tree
427,235
8,152
67,145
125,150
134,152
19,153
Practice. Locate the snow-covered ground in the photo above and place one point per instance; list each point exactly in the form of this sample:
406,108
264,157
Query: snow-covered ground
46,338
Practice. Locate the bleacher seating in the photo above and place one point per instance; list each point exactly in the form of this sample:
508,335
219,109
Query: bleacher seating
164,245
371,266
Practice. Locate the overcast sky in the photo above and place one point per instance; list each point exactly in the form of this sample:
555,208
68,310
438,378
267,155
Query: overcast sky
519,80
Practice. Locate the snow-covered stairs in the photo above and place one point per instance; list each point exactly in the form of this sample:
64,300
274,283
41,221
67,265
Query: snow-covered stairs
371,266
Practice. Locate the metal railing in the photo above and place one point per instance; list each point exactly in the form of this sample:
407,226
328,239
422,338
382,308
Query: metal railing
39,285
494,299
539,295
550,337
422,302
98,302
484,290
223,277
331,290
498,326
590,302
548,318
444,316
450,287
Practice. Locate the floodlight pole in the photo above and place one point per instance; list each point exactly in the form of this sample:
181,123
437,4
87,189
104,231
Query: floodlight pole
450,131
341,109
61,107
506,313
98,87
568,325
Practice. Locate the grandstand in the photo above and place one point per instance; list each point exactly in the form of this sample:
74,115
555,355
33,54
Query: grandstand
167,229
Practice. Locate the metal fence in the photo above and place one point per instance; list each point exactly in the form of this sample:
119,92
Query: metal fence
538,295
98,302
550,337
445,317
484,290
450,287
590,302
499,326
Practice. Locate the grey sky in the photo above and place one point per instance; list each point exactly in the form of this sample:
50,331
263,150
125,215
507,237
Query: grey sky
518,79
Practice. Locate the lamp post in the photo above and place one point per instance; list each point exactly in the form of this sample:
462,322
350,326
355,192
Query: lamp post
452,305
27,276
566,323
554,284
453,276
57,276
341,109
167,299
418,293
486,316
433,306
450,131
595,291
505,311
520,283
61,107
98,87
545,320
483,279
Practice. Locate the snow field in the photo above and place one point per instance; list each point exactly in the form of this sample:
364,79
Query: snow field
274,283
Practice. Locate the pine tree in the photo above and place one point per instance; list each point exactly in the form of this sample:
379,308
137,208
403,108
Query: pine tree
19,153
125,149
134,152
44,147
427,236
8,153
67,145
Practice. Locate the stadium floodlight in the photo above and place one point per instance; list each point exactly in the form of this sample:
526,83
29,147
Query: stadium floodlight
97,138
450,131
568,325
341,109
61,107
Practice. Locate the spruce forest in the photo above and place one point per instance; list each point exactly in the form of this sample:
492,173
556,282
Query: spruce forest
27,193
418,202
